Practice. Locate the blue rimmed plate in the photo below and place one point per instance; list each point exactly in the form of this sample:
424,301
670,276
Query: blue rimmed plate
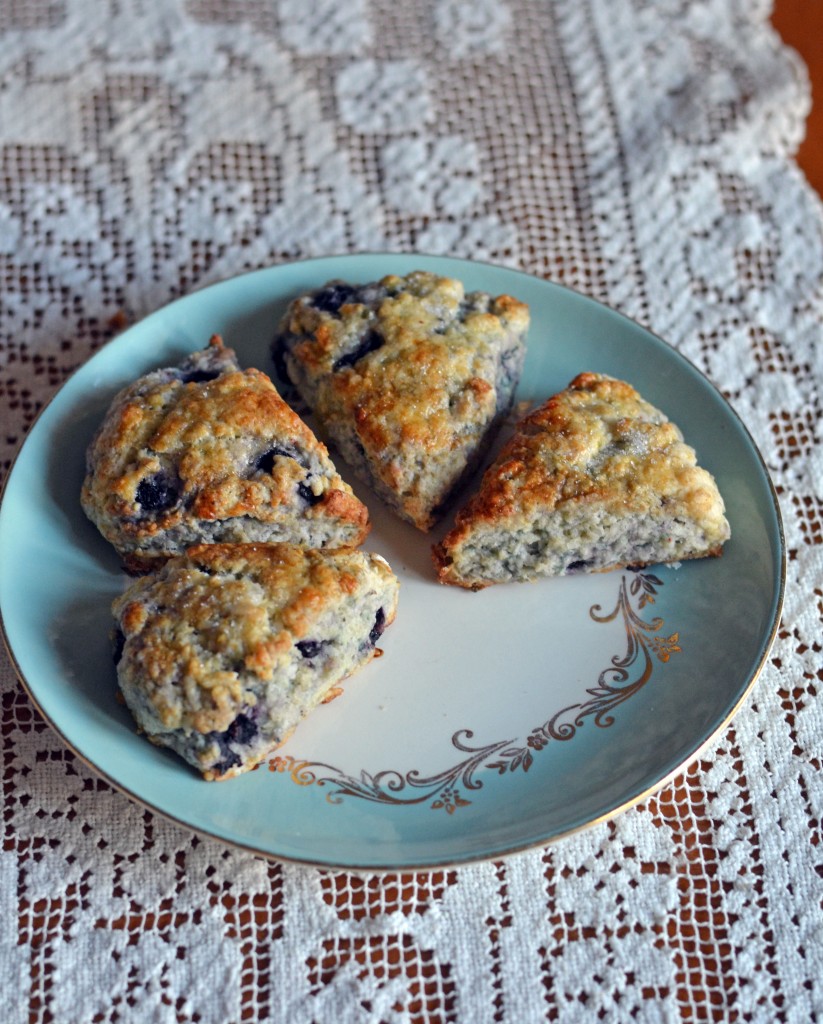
495,721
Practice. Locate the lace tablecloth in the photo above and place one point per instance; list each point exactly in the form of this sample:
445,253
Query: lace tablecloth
639,152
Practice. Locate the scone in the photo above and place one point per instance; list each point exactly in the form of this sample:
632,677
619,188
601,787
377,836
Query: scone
595,479
223,650
409,376
207,452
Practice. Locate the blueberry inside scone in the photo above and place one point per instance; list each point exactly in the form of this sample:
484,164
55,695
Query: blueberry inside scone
222,651
595,479
409,376
207,452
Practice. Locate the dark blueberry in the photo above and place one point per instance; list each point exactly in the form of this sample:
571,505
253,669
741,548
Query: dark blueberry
308,495
198,376
332,297
472,303
231,760
265,462
378,627
579,565
156,493
372,341
118,643
242,730
311,648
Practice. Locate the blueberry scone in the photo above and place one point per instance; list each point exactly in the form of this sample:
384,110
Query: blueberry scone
220,652
595,479
410,377
207,452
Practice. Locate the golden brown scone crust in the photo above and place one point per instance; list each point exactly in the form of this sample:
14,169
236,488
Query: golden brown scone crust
203,437
416,410
595,446
216,633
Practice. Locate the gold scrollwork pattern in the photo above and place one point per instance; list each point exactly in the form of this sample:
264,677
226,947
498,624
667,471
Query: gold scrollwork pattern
625,676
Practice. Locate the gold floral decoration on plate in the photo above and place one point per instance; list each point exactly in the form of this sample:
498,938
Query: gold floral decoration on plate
627,674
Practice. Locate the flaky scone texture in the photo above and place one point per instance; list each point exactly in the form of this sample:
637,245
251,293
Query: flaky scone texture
223,650
207,452
594,479
409,377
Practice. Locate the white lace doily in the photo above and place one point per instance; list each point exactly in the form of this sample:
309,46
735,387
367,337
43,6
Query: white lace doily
640,152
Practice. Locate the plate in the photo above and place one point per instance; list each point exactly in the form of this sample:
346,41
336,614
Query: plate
495,721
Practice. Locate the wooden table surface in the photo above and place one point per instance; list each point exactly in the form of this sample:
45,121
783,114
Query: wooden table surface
800,23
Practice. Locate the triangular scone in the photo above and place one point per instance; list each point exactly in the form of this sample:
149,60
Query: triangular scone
595,479
223,650
409,376
206,452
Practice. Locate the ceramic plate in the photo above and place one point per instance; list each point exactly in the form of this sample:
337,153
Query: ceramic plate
495,721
